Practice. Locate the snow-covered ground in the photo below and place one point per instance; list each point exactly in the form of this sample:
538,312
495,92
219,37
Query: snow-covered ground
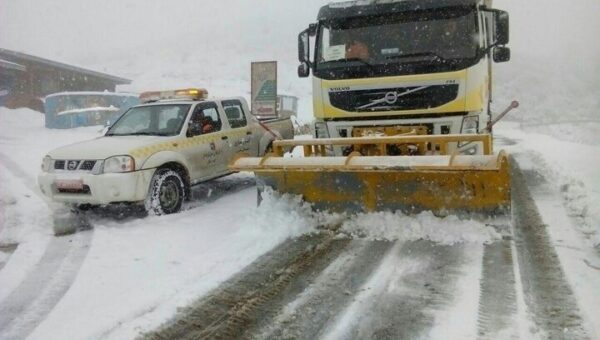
137,273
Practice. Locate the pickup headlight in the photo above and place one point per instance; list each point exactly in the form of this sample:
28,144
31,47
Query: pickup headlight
470,125
119,164
47,163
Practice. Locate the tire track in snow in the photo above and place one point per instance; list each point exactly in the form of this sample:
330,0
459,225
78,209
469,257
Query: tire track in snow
498,295
6,252
242,301
404,295
30,303
548,296
310,311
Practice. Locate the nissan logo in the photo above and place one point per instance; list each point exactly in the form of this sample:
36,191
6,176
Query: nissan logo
72,165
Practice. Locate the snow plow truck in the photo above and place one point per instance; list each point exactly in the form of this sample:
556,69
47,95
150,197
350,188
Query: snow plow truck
401,93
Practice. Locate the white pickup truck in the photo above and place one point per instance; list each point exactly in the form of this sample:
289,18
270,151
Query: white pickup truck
156,151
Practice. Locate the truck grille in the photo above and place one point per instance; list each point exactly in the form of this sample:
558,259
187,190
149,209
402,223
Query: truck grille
394,99
74,165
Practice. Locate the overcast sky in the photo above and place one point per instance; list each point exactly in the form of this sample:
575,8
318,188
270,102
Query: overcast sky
117,35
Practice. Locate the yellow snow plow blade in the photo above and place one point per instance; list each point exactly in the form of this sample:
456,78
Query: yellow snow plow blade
436,181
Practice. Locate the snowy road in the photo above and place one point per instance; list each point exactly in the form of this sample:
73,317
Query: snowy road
332,287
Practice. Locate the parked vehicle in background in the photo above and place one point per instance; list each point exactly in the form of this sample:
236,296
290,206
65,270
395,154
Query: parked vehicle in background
287,106
156,151
67,110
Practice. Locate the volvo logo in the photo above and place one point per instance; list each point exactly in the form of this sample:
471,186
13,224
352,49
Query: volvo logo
391,98
72,165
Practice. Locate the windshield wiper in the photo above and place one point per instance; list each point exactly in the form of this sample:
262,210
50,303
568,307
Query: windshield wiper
429,55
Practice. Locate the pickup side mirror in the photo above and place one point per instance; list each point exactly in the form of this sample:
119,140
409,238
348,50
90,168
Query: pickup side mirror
194,129
501,54
502,27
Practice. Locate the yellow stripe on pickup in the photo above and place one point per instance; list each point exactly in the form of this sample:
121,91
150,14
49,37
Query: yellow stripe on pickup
185,143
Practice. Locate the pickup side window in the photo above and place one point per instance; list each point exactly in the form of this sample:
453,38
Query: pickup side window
205,120
235,113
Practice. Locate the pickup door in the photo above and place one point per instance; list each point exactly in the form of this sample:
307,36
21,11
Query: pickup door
209,154
240,135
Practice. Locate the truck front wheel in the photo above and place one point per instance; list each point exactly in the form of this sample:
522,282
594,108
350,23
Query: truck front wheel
166,194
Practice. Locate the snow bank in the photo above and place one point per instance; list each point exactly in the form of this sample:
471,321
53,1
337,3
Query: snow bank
571,167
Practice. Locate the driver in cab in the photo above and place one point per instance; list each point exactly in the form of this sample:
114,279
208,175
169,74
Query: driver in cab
356,49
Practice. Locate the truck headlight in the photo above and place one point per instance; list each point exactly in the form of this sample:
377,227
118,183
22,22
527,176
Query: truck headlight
470,125
47,163
119,164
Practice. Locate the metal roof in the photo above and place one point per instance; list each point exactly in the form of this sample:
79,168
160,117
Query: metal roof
11,66
359,8
16,57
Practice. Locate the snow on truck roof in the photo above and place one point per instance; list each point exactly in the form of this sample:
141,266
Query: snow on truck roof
92,93
360,8
188,101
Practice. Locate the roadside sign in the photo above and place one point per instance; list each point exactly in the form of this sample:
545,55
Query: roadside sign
264,89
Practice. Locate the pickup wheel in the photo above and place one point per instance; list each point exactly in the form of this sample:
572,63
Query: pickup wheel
166,194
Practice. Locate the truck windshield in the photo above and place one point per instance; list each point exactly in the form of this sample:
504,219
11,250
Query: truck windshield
439,40
154,120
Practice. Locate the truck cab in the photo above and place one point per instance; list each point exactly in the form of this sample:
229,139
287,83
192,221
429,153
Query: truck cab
413,66
156,151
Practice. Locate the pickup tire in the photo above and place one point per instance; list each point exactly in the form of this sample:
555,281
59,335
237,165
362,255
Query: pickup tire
167,192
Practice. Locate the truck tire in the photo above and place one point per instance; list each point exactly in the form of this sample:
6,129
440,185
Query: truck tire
166,194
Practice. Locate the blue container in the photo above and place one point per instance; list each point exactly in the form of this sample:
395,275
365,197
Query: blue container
69,110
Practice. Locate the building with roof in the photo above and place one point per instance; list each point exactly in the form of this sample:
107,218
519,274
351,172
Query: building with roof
25,79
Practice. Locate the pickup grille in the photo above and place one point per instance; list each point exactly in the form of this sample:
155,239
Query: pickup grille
87,165
74,165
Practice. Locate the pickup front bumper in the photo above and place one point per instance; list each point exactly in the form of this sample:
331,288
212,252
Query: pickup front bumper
86,188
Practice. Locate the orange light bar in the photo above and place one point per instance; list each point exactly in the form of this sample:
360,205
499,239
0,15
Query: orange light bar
186,94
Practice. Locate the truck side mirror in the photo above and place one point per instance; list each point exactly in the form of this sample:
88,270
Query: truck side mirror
304,46
303,70
501,54
502,28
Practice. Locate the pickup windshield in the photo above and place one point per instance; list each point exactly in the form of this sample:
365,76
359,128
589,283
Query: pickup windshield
153,120
395,43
